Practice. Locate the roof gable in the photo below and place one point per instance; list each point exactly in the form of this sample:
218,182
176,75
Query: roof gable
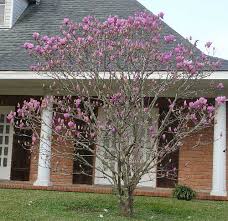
46,17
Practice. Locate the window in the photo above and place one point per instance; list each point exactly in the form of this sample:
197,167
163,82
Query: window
2,11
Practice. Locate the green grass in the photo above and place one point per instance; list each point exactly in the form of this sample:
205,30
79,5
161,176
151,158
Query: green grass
22,205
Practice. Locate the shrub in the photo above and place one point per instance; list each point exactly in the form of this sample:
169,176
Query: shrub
183,193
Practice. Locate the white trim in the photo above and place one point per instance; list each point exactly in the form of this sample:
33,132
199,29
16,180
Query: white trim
22,75
4,15
31,75
12,10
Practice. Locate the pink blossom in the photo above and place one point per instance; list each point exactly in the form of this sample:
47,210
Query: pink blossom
208,44
63,41
193,117
66,21
92,134
33,139
58,128
146,109
71,124
116,98
210,109
163,136
77,102
36,35
180,58
113,130
171,106
202,100
66,115
44,103
85,27
161,15
185,103
169,38
90,38
45,38
112,20
21,125
220,100
28,45
99,53
198,104
68,36
220,86
11,116
166,56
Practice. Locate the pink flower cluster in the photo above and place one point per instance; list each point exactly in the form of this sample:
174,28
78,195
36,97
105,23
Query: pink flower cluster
169,38
117,98
111,42
198,104
201,104
220,100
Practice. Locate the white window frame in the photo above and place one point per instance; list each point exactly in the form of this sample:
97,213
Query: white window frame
4,12
5,171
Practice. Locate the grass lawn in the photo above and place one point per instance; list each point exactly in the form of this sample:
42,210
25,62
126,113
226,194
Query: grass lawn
22,205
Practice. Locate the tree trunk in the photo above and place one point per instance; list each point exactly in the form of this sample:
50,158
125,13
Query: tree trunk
126,205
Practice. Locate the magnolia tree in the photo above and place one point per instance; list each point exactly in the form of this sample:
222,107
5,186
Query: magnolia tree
110,102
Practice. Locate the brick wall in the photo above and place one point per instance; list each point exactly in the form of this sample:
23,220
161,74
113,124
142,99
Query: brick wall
61,165
195,161
196,164
33,165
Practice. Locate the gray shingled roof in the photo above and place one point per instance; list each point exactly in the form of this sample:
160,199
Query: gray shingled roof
46,18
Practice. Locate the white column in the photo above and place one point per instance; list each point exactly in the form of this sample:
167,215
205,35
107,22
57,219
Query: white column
100,178
150,179
44,163
219,153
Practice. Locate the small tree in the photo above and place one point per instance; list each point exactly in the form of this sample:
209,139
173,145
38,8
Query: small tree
113,67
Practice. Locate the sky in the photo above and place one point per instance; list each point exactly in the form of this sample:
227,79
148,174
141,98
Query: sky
204,20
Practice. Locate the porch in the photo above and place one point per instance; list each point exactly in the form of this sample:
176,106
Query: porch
204,170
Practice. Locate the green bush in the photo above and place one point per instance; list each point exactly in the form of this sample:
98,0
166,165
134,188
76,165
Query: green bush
183,193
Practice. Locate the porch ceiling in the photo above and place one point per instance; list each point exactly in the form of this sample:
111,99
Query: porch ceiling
22,87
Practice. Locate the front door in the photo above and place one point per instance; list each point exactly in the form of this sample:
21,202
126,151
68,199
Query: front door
6,141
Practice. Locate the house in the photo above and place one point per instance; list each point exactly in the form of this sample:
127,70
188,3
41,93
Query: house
204,169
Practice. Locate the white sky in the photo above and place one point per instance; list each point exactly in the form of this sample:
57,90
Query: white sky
204,20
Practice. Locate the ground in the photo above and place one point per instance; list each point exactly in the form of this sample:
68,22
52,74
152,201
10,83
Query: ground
49,205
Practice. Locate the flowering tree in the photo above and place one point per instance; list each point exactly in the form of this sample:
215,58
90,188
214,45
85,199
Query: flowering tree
105,92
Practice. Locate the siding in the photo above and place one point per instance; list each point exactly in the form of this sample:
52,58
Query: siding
18,7
13,10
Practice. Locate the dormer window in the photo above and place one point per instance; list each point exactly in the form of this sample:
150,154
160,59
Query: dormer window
2,12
